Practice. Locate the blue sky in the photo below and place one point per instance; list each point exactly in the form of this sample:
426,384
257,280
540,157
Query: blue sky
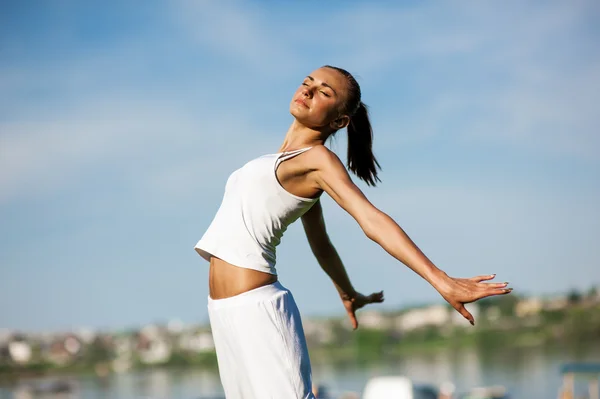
120,122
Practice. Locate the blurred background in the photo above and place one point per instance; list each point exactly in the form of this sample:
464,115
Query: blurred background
121,121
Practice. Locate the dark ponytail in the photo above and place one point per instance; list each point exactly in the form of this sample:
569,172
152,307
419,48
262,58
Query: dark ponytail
361,160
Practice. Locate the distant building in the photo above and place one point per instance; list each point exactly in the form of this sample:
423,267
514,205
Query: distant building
63,349
123,350
374,320
529,307
85,335
175,327
197,341
436,315
152,345
557,303
16,350
319,331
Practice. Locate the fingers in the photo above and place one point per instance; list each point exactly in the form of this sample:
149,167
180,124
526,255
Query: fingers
497,291
479,279
494,285
376,297
463,311
353,319
491,289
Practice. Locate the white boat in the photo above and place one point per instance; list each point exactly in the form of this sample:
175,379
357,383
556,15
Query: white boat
397,387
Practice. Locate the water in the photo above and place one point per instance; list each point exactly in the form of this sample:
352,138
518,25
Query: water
528,374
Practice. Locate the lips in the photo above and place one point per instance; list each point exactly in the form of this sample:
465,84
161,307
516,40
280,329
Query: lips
301,102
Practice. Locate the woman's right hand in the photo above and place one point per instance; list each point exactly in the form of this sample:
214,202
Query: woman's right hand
357,301
460,291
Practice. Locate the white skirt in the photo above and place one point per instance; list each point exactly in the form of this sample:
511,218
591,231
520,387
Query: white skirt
260,344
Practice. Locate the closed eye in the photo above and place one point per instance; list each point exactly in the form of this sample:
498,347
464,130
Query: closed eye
325,94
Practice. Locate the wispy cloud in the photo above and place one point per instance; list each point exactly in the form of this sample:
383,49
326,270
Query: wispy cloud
243,33
159,144
475,79
515,74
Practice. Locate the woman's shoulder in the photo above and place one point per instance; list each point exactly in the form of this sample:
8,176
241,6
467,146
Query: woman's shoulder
321,157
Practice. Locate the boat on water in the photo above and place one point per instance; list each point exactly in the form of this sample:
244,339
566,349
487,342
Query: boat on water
398,387
402,387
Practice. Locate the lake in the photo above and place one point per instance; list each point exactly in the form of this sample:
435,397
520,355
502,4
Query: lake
527,373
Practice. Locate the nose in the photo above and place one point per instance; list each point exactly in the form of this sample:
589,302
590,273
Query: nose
307,92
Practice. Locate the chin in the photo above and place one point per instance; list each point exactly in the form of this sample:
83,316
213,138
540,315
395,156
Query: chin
296,113
302,115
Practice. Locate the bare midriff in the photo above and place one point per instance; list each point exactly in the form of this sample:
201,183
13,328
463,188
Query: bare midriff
226,280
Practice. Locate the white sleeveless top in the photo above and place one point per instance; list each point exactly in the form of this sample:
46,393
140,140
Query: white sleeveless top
255,212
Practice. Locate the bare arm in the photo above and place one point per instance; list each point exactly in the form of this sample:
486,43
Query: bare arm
324,251
330,262
331,176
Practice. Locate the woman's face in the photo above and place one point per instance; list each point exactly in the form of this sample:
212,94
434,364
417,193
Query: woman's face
319,99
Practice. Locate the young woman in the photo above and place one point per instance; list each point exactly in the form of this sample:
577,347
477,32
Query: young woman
259,340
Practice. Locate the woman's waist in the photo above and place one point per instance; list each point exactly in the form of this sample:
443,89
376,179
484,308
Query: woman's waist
227,280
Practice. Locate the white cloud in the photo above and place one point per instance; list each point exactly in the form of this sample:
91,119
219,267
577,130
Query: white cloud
99,113
520,74
240,31
557,118
157,143
507,86
47,153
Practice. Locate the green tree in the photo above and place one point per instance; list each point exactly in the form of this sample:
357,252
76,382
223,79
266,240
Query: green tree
370,343
99,351
574,297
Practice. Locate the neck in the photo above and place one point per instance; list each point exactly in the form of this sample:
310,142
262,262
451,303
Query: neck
299,136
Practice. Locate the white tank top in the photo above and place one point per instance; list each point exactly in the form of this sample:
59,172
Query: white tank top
255,212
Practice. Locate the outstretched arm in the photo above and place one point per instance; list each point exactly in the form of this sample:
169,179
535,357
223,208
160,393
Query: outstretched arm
331,263
331,176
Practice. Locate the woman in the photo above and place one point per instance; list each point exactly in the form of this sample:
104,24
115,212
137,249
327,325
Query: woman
259,340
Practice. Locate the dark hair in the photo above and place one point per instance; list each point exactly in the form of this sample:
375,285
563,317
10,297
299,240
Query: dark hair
361,160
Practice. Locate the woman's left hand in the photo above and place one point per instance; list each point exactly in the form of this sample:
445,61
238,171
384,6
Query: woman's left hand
460,291
357,301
